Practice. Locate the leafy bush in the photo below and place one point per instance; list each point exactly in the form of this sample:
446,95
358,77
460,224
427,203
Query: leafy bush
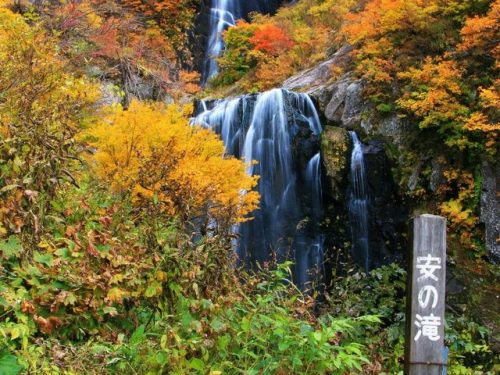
263,327
151,154
42,107
382,293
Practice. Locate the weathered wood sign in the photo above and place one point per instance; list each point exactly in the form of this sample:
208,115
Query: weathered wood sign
425,303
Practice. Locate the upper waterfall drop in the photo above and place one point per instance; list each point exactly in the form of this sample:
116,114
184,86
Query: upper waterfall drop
224,14
277,134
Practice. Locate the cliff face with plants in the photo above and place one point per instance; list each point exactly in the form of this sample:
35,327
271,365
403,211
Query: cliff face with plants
221,187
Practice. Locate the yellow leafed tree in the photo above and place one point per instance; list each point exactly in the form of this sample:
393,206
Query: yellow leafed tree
152,154
42,106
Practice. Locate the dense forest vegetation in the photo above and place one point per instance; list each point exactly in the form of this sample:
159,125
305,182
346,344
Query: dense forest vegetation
110,261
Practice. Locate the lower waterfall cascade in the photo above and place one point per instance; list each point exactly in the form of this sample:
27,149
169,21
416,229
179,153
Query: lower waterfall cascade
277,134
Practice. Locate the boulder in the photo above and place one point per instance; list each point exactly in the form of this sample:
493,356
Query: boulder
320,76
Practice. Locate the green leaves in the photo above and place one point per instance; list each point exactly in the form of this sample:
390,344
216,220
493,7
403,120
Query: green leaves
197,364
46,259
10,248
9,364
153,289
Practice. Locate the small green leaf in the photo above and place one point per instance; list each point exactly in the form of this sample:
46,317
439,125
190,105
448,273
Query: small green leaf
9,364
217,325
197,364
317,336
283,345
10,248
15,333
46,259
137,336
153,289
63,253
161,358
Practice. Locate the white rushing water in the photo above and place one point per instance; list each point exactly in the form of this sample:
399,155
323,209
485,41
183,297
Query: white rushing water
262,128
358,204
223,14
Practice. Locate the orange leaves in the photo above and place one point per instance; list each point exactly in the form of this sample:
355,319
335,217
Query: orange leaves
462,218
391,36
485,121
174,17
480,35
271,39
47,325
191,81
395,18
434,93
116,295
151,153
106,39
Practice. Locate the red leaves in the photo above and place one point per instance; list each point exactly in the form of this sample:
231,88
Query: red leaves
105,221
27,307
106,39
271,39
47,325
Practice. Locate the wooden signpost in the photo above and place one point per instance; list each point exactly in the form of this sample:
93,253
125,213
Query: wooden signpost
425,303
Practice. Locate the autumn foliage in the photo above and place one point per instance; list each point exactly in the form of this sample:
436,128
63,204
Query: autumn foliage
151,153
78,253
42,107
271,39
137,45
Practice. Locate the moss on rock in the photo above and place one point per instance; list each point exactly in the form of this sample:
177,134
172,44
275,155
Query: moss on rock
335,151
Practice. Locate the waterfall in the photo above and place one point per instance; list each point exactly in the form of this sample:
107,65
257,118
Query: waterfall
312,265
223,14
313,179
279,130
358,204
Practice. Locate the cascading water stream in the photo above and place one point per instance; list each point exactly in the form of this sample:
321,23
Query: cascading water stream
268,128
312,264
223,14
313,178
358,204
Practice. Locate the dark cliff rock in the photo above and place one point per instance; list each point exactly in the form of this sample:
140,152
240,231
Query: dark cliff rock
335,156
490,208
340,99
387,216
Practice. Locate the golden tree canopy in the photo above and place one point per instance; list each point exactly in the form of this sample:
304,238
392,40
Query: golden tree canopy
151,152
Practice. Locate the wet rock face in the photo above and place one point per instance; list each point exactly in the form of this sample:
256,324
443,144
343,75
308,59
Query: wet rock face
345,106
490,208
335,150
387,215
315,80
